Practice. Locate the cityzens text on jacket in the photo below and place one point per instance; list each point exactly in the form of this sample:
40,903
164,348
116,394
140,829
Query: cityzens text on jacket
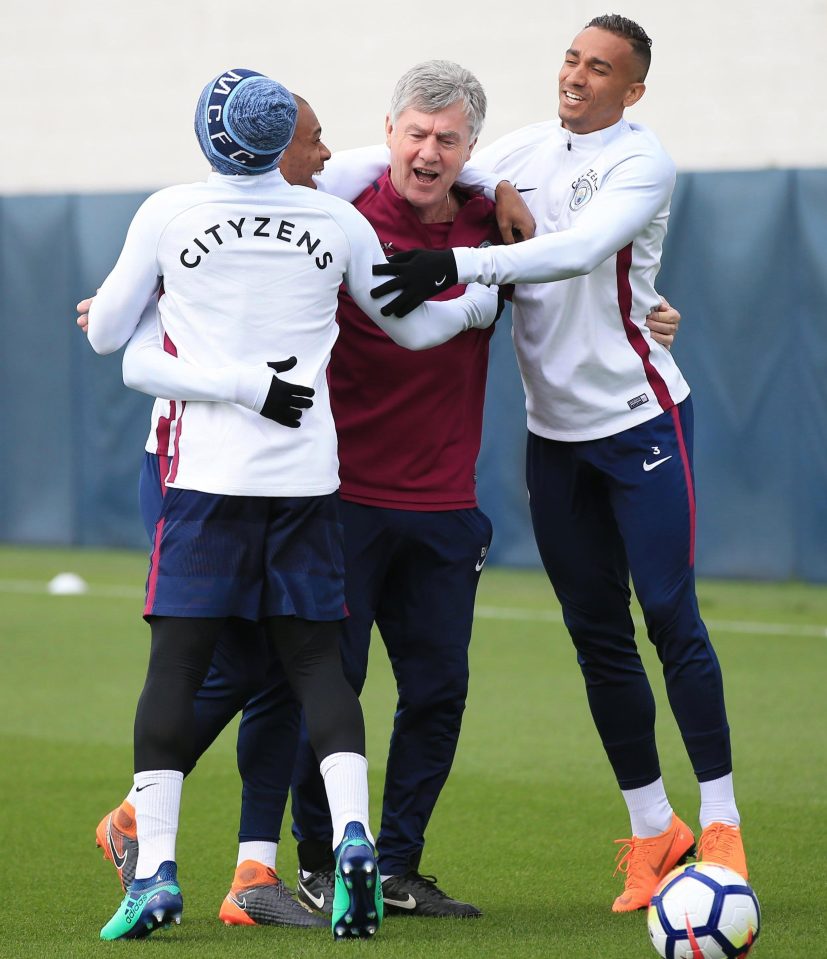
257,226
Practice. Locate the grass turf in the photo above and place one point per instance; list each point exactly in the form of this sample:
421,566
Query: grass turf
523,827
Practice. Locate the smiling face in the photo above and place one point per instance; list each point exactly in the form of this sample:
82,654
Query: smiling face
306,154
600,77
428,150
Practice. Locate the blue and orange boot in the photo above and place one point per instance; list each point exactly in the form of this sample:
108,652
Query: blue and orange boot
117,836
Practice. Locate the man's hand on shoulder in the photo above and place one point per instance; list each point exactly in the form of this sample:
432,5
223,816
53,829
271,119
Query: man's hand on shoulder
513,216
417,275
286,402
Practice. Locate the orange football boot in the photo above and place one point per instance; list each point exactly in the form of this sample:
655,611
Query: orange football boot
722,844
258,897
117,836
647,861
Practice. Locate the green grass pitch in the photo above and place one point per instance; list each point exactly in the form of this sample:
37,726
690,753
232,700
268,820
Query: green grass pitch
524,827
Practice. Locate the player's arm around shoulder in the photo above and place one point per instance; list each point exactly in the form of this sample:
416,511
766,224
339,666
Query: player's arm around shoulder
348,173
634,189
430,324
491,171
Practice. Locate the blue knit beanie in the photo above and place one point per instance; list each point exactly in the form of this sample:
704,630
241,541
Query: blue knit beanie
244,122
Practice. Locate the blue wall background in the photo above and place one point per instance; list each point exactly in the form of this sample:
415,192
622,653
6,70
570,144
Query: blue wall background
745,262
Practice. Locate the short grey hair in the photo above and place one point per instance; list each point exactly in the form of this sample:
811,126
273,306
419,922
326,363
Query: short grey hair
436,84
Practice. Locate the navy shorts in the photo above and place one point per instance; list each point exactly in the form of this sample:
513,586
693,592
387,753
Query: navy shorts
152,488
246,556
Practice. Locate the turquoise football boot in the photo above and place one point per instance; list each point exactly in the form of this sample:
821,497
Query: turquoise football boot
357,893
149,904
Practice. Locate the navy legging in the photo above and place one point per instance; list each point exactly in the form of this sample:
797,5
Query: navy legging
601,511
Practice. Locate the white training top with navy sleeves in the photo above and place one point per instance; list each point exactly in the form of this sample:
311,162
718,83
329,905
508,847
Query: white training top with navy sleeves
587,280
251,271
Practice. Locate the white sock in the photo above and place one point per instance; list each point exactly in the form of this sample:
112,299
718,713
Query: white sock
718,802
157,802
131,796
649,809
258,851
346,784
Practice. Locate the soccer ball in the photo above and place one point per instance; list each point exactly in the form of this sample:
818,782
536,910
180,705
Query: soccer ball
703,911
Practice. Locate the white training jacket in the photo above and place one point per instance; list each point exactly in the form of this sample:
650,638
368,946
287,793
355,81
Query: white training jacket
587,280
251,271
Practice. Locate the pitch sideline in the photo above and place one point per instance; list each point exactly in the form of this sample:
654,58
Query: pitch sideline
514,614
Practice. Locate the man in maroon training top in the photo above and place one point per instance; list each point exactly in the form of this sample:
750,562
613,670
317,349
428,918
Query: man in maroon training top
409,428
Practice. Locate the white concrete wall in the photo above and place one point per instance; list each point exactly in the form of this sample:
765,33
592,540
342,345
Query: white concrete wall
99,95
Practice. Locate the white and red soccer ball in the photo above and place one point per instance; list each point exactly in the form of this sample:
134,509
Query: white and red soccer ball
704,911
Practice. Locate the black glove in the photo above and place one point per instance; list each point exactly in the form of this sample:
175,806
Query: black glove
418,274
285,401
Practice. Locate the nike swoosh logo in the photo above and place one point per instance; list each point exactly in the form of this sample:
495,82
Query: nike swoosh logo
650,466
141,788
241,903
526,189
482,559
409,903
440,282
658,869
119,860
318,901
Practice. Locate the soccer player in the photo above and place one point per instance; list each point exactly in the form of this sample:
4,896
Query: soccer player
244,675
307,154
249,527
415,539
609,457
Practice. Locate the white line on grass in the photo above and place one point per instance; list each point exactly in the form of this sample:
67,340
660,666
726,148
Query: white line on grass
714,626
514,614
36,588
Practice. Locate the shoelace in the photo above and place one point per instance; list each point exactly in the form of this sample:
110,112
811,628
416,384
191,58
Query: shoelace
282,890
717,836
624,858
328,876
428,882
